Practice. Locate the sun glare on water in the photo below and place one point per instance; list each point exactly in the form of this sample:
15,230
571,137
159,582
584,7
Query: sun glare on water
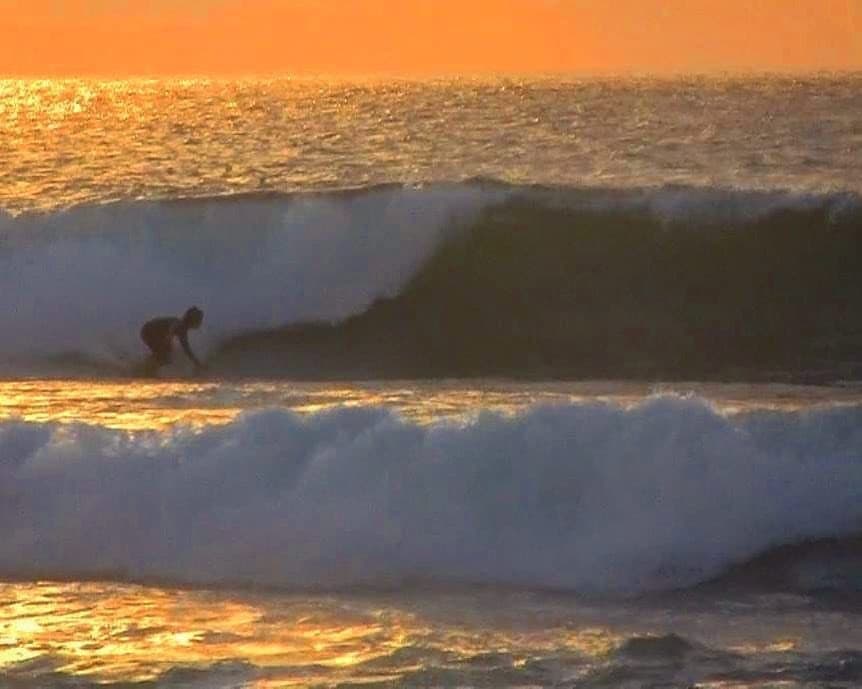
164,405
114,632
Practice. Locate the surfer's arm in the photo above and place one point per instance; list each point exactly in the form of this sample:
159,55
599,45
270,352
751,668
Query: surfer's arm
183,337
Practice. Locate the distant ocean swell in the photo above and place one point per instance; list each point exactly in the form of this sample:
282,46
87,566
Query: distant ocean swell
478,278
589,498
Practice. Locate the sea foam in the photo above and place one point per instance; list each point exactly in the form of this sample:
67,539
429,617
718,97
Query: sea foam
592,498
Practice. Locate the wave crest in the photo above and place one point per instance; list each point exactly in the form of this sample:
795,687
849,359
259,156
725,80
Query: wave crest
592,498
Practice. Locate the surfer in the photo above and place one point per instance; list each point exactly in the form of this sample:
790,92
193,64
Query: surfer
158,335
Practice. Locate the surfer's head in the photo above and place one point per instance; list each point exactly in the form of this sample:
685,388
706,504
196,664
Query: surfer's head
193,317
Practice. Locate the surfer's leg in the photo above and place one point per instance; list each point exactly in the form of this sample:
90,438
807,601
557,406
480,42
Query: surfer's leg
150,368
160,348
158,357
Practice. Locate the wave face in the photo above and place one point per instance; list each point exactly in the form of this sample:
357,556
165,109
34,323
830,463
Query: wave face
540,271
591,498
668,283
77,285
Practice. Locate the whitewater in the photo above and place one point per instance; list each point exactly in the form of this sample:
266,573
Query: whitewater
587,497
262,532
510,382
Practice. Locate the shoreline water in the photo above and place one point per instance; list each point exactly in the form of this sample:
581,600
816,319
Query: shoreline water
165,638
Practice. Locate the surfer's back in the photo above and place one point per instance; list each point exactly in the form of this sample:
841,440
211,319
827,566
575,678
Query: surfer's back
163,326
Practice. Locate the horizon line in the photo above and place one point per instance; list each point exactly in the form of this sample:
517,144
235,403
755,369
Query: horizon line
431,74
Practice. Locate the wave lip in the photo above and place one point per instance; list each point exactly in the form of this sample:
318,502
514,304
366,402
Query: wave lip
589,498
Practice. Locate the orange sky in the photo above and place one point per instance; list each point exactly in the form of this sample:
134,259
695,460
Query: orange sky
123,37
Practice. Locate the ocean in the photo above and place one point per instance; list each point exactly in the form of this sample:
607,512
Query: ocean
510,382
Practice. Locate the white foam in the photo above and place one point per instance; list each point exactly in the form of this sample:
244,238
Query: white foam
708,206
587,497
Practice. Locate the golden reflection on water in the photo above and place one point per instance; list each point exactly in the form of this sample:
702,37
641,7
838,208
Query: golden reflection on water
116,632
134,633
159,405
74,141
111,404
137,405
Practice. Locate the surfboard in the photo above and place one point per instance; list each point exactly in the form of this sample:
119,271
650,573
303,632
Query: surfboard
176,370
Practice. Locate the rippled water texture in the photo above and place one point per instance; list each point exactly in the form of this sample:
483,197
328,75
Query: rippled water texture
66,142
163,405
91,634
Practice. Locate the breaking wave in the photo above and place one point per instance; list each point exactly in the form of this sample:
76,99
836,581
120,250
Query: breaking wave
592,498
76,285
